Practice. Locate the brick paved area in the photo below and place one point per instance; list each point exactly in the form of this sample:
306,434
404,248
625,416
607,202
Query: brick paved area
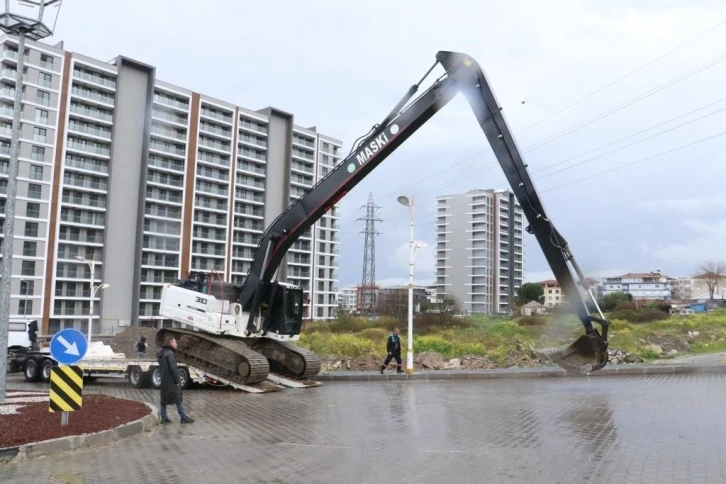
624,429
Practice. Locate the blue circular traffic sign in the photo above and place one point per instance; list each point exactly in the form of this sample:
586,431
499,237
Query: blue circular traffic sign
68,346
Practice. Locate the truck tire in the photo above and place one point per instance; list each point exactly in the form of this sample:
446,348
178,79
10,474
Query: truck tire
155,373
184,377
45,368
31,370
138,378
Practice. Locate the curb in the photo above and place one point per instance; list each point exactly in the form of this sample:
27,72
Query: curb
45,447
543,372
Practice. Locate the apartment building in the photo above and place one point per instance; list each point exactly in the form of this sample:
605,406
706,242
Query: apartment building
347,298
480,249
642,285
148,181
554,295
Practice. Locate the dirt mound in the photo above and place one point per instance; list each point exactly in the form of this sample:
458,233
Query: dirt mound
125,341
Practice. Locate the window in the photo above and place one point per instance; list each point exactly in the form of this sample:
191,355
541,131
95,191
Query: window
320,312
31,229
28,268
41,116
46,61
25,307
38,153
34,190
32,210
42,97
30,248
39,134
36,171
45,79
27,288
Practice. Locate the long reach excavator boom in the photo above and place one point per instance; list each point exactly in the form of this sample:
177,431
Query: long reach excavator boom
244,331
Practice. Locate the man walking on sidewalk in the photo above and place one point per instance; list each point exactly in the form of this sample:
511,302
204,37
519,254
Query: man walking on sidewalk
171,391
393,346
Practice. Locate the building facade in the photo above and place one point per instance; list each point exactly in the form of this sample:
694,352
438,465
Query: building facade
347,298
148,181
554,296
642,285
480,249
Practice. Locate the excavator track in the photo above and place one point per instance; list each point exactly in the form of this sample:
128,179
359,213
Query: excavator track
287,358
222,356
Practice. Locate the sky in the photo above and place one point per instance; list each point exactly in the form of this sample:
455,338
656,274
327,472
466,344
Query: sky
627,102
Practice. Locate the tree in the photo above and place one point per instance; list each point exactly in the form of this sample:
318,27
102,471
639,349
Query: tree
612,300
529,292
712,273
448,306
394,303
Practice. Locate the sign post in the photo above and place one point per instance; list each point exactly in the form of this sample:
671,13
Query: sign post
67,347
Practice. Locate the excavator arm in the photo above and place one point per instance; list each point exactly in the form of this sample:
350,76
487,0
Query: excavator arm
462,75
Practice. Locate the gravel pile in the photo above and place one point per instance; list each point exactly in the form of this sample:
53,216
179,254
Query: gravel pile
125,341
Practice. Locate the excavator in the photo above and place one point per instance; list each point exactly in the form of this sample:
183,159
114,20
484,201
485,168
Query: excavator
243,331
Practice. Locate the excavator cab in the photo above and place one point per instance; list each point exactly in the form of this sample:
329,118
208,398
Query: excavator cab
284,311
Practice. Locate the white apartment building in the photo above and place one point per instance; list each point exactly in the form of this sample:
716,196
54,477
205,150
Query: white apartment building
642,285
347,298
480,249
150,181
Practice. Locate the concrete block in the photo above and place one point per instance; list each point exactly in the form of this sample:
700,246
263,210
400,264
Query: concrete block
50,446
629,370
98,438
130,429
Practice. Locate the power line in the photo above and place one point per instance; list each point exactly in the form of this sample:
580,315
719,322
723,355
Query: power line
636,99
652,61
641,160
629,136
633,143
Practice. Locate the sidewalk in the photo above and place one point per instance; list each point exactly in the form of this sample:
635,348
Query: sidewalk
539,372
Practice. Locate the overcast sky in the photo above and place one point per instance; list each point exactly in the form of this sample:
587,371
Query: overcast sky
342,65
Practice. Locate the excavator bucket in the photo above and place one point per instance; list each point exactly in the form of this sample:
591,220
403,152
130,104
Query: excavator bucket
588,353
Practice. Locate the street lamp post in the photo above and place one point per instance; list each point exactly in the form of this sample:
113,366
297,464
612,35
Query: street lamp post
15,21
94,290
413,245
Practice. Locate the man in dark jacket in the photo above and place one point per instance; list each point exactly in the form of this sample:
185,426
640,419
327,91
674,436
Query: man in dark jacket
393,346
171,391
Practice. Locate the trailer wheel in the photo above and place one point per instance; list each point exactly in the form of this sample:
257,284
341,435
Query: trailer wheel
155,377
184,378
138,378
45,369
31,370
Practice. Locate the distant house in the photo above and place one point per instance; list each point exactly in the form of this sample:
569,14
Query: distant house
554,296
532,308
642,285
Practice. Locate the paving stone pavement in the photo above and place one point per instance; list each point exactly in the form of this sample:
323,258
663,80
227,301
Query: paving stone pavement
620,429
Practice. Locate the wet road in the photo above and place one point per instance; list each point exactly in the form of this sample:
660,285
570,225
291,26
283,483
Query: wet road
656,429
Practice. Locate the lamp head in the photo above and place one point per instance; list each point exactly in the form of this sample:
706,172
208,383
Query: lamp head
404,201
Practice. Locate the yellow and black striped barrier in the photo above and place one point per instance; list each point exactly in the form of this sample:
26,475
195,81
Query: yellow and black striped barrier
66,388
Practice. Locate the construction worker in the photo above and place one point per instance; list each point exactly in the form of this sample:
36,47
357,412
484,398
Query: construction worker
393,346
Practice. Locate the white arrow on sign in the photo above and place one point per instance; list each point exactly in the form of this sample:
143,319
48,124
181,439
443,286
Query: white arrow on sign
71,349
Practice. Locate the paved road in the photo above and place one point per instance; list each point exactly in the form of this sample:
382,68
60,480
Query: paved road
657,429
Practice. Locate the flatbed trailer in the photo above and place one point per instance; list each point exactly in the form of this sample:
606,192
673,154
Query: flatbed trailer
102,362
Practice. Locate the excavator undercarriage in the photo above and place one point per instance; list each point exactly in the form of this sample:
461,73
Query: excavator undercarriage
242,361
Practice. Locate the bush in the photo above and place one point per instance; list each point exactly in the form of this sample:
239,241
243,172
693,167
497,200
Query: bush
639,315
532,321
426,323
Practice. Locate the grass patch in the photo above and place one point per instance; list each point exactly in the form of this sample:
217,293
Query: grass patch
499,338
